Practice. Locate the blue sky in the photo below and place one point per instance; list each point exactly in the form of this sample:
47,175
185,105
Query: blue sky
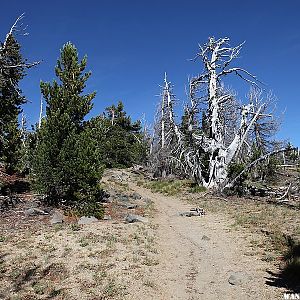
130,44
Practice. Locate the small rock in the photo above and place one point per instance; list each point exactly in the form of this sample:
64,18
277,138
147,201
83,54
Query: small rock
205,238
131,206
136,196
87,220
48,210
107,202
40,211
57,218
107,218
135,218
39,198
123,198
117,177
29,212
239,278
147,200
128,205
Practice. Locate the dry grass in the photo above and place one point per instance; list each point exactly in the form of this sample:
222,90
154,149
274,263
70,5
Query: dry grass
93,262
103,260
171,187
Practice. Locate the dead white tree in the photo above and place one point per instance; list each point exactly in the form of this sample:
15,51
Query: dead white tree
266,125
207,93
217,56
12,70
163,135
23,128
41,112
16,29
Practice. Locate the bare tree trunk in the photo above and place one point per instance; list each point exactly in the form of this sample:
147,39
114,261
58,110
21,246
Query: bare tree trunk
41,112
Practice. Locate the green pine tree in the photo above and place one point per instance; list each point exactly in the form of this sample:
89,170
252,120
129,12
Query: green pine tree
67,164
12,70
120,140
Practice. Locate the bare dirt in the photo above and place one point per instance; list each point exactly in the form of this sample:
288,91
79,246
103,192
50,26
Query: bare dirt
169,257
197,255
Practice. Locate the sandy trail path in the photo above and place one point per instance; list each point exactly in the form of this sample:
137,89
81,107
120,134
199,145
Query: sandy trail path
195,267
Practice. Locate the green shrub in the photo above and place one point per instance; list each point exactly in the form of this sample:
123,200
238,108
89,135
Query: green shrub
90,209
195,188
168,187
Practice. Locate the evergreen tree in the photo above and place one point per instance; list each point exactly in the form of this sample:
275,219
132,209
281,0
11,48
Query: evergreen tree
67,163
12,70
125,145
119,139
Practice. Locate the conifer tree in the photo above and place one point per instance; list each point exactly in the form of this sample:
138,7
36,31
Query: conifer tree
67,163
12,70
120,140
125,145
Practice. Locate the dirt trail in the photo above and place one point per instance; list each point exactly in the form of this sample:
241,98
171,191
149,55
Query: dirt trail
199,254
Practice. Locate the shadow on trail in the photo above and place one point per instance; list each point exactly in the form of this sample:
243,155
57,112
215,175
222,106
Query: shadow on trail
289,276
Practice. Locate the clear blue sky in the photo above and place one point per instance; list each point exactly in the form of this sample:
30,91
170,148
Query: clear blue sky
130,44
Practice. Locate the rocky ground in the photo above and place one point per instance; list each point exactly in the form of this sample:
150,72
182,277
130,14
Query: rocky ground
149,246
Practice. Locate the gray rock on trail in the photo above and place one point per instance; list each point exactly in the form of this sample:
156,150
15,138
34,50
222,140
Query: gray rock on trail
147,200
57,218
107,218
87,220
29,212
239,278
205,238
135,218
136,196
